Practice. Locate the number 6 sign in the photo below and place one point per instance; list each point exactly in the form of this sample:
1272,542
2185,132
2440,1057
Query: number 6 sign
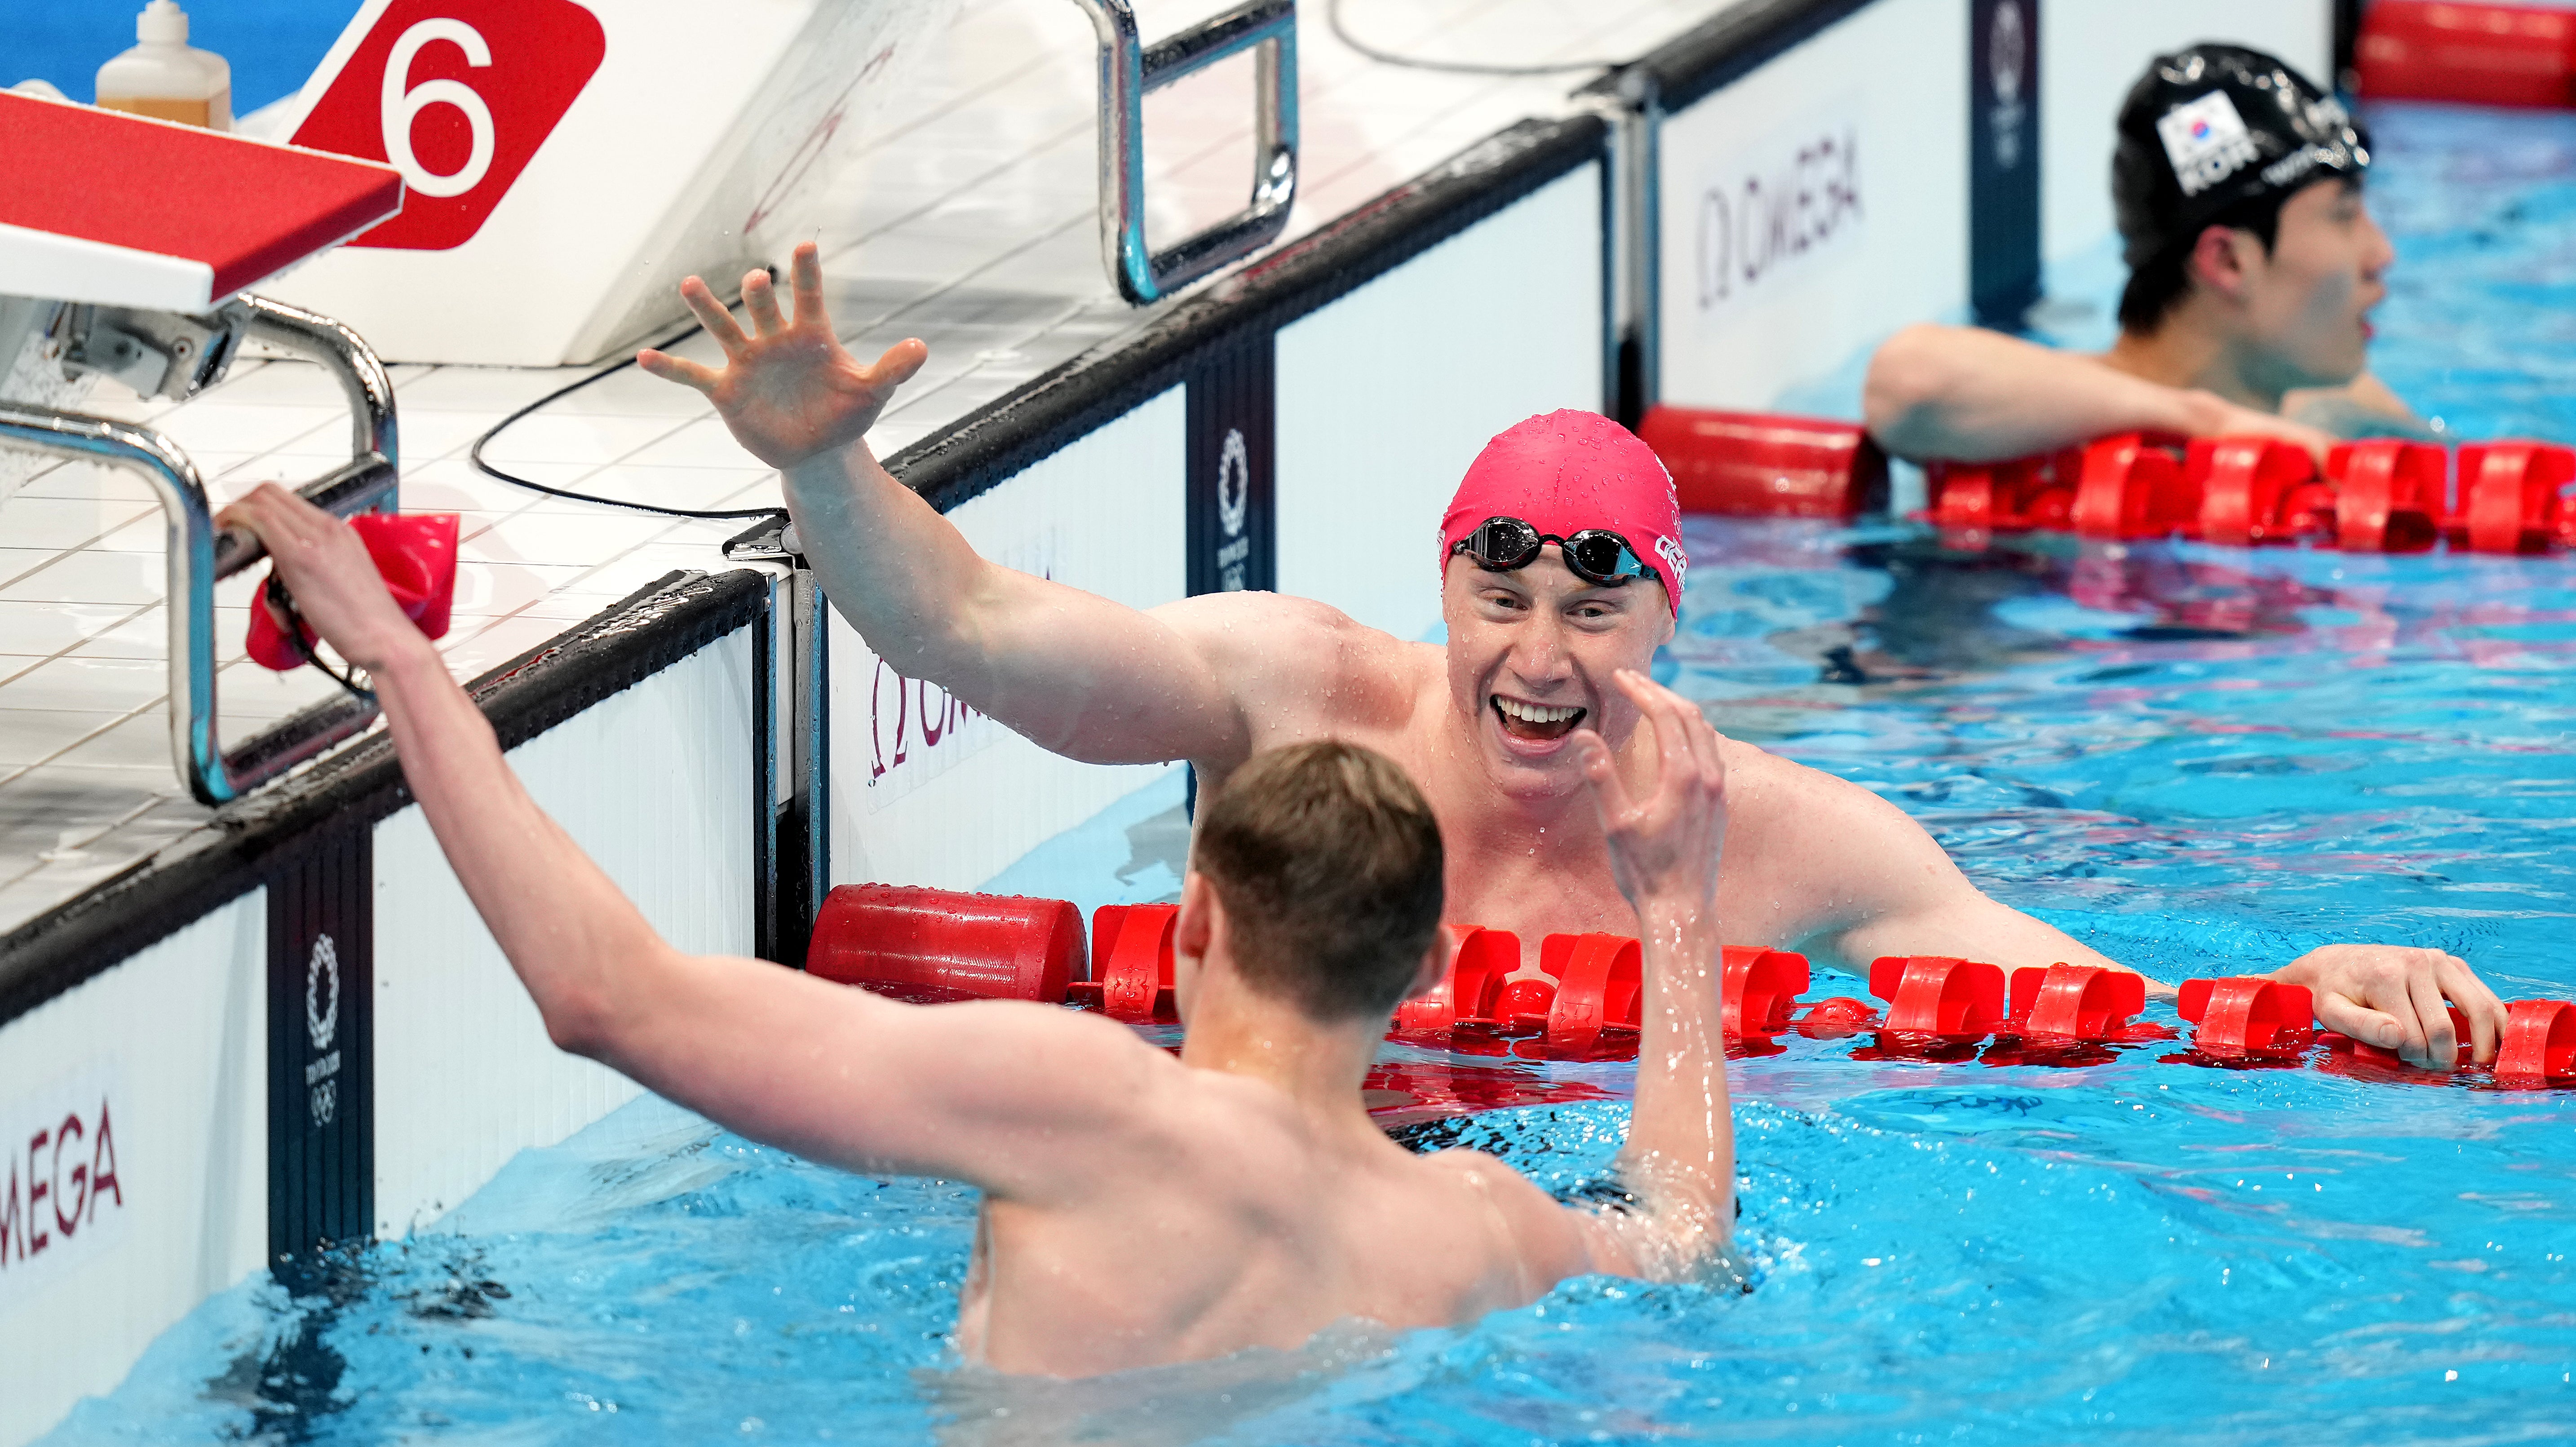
457,95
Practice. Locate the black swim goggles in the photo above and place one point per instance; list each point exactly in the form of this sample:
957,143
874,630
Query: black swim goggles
1596,555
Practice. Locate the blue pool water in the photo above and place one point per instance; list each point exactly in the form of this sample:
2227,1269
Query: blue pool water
2199,760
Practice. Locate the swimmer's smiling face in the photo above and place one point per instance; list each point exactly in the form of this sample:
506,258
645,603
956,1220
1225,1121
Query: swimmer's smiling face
1531,656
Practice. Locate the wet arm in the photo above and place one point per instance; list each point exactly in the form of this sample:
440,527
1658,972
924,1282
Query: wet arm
1076,673
1979,396
995,1093
1679,1161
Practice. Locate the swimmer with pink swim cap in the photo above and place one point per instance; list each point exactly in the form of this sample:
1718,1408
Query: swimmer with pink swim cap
1506,726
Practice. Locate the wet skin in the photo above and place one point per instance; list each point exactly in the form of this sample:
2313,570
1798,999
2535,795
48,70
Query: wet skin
2265,342
1816,864
1138,1210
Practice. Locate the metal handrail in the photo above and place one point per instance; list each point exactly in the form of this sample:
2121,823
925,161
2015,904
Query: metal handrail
1128,70
198,555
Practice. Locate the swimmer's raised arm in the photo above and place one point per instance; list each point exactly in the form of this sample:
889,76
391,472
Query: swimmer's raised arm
1979,396
1018,1098
1071,671
1666,831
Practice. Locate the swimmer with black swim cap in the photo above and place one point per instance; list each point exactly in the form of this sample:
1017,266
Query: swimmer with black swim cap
2253,267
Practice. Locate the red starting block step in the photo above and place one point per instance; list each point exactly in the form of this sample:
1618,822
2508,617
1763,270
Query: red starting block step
937,944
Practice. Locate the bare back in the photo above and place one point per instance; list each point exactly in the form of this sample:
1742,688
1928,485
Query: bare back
1224,1215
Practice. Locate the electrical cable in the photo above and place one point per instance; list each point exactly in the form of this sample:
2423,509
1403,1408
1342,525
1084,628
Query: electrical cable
1342,33
496,429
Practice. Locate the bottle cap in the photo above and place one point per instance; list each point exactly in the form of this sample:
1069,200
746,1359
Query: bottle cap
162,23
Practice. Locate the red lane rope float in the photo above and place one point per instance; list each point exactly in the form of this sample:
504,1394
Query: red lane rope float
1586,999
1131,947
1471,992
2084,1003
2388,497
937,944
1761,990
2496,55
2384,495
1757,464
1939,997
2372,1055
2539,1046
2248,1018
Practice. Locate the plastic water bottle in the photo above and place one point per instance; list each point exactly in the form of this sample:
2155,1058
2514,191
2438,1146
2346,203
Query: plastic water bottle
164,77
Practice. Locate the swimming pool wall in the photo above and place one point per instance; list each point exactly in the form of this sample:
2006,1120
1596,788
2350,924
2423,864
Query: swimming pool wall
1295,425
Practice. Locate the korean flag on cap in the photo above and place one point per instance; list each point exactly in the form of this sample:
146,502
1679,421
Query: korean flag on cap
2206,140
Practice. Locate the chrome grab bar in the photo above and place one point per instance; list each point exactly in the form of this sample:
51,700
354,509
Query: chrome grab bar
1127,71
198,555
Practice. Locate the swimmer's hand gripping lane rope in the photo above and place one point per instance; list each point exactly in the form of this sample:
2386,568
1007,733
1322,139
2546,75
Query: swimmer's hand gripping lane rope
1581,1003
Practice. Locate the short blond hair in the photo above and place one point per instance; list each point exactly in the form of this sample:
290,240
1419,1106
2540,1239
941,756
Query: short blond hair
1328,861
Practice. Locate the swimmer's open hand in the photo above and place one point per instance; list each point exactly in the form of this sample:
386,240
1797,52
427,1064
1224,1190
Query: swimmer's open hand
335,583
1666,834
789,390
2391,996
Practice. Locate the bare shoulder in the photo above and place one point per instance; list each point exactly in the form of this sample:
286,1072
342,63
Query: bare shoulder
1303,661
1546,1237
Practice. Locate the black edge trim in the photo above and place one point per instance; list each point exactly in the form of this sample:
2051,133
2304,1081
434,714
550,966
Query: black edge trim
634,639
1690,66
996,441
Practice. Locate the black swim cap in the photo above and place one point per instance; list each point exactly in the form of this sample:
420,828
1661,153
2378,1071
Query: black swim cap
2215,125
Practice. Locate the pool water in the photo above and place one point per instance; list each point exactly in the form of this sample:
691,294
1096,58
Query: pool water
2199,760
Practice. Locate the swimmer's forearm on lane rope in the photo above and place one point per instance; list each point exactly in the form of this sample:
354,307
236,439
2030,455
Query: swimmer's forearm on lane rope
1973,395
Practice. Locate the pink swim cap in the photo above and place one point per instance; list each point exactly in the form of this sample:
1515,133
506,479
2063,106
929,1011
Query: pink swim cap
1567,471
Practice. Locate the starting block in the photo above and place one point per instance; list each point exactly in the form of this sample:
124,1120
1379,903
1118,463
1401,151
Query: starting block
128,245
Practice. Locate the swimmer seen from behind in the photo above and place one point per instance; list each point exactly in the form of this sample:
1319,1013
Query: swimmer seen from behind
1138,1209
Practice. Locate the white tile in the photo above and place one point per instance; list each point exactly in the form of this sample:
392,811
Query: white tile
597,439
681,487
703,443
139,741
35,735
84,577
499,588
95,480
66,522
573,539
81,683
211,426
49,628
492,392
